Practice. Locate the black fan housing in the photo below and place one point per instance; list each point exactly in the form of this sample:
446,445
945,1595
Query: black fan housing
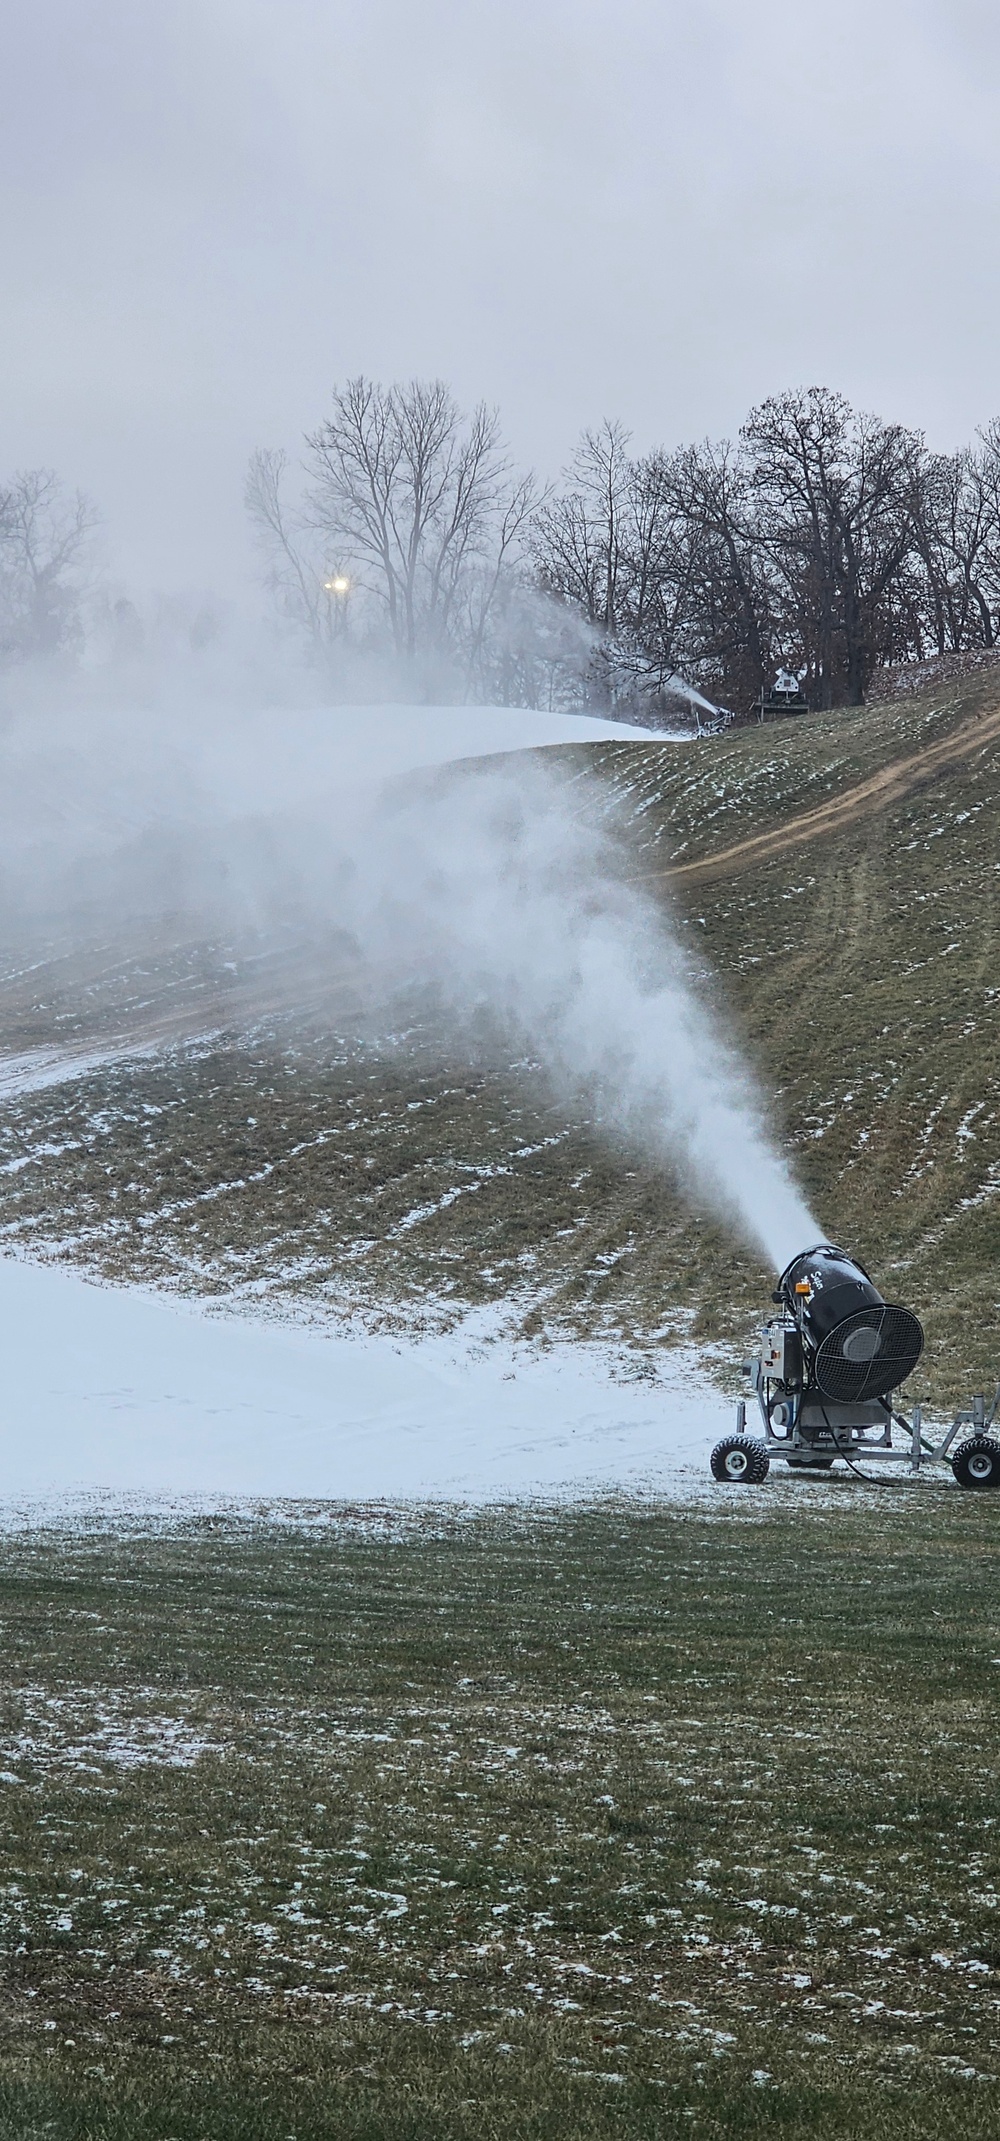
857,1345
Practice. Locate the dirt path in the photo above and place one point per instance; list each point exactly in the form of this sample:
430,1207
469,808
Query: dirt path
887,786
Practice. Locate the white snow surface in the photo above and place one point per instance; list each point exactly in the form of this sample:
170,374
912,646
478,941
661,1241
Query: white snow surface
107,1390
342,748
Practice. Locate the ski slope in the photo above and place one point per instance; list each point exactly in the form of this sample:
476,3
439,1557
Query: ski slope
107,1390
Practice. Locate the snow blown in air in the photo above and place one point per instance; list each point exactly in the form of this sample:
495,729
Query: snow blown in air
514,906
498,889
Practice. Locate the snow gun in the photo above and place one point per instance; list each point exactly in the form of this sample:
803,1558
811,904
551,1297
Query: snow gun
826,1378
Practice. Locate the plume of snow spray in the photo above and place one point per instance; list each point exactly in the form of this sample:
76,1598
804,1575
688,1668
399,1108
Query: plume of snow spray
500,890
513,904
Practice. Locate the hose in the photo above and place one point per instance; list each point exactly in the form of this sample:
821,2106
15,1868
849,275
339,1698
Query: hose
894,1485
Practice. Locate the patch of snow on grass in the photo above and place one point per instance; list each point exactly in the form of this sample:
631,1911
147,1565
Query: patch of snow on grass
108,1390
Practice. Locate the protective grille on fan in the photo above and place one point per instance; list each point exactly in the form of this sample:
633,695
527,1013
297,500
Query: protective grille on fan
870,1353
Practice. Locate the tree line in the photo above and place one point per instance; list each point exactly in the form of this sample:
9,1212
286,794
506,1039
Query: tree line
822,541
412,537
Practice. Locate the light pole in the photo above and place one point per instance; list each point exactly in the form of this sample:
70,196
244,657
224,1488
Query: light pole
338,587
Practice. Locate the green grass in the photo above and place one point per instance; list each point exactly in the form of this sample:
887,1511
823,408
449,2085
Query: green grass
628,1821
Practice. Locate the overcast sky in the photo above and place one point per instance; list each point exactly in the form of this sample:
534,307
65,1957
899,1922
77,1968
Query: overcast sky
655,209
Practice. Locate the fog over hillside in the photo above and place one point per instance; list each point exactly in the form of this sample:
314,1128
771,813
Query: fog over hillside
496,903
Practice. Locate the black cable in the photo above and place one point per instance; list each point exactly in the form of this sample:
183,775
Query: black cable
894,1485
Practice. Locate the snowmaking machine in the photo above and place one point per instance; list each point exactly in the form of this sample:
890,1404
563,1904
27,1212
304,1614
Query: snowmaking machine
826,1377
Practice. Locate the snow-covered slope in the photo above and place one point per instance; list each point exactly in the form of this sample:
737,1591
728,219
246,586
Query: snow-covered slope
108,1389
112,1389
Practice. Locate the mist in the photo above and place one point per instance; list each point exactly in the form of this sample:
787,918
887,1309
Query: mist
495,893
512,901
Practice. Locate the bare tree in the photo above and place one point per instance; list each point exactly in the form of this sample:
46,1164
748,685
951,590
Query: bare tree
659,569
986,465
824,540
44,540
725,632
586,529
833,498
310,588
957,523
611,546
489,630
422,505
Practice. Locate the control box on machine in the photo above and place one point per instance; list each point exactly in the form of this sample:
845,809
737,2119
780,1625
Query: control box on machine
781,1354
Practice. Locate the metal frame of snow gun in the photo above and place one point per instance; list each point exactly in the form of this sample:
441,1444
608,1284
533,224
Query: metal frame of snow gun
826,1378
838,1431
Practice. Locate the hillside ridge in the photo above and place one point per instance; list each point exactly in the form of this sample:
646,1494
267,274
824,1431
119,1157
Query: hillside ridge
891,784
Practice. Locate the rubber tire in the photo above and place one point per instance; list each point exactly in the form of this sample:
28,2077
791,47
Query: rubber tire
976,1464
749,1459
809,1464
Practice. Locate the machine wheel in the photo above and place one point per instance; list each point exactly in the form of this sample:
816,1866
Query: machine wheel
977,1463
739,1461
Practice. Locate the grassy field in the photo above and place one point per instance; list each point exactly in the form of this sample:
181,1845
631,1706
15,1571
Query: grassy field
622,1822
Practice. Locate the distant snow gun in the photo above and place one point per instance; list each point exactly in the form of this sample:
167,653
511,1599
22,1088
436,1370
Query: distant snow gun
826,1377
